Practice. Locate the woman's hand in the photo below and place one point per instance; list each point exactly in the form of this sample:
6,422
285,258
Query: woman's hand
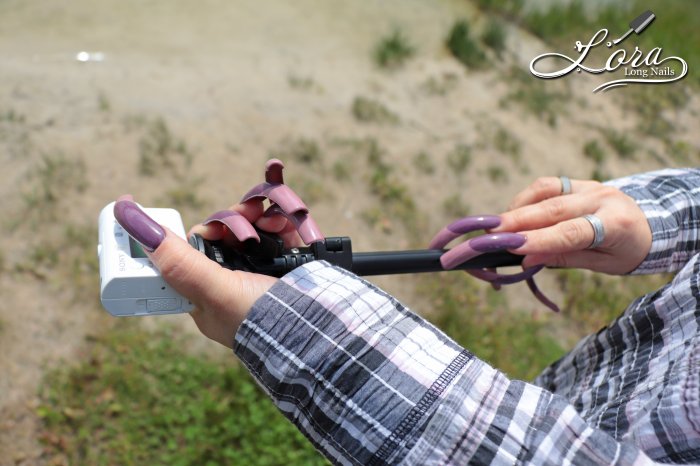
222,297
558,235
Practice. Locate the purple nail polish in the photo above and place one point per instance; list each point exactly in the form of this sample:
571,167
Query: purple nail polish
236,223
138,224
497,242
474,222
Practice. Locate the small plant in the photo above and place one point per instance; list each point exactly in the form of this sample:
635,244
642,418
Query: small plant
160,150
302,83
681,152
301,150
12,116
51,179
103,103
372,111
341,170
593,151
423,163
510,8
507,143
463,47
497,174
621,143
494,36
440,86
310,189
535,96
459,158
454,207
393,50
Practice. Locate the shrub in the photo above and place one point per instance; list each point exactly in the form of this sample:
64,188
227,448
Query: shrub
463,47
393,50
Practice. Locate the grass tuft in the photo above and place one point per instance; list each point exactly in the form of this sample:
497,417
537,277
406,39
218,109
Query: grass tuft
393,50
463,47
460,158
51,180
494,36
369,110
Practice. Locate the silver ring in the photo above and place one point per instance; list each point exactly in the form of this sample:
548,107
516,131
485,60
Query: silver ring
565,184
598,230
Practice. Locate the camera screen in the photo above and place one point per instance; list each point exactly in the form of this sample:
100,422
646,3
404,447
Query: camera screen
136,250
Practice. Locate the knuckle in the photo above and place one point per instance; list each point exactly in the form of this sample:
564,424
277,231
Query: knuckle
560,260
573,234
174,268
542,184
555,207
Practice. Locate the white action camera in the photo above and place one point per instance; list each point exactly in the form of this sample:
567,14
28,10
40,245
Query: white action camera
130,285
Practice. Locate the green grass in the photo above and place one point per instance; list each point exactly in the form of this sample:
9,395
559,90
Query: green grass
454,207
497,174
459,158
302,150
440,86
393,50
464,47
423,163
593,300
480,319
52,179
494,36
368,110
536,96
139,398
621,143
593,151
160,150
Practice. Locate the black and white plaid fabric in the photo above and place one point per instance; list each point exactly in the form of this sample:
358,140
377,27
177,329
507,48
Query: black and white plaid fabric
370,382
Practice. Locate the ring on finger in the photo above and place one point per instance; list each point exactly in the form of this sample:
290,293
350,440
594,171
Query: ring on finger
565,185
598,230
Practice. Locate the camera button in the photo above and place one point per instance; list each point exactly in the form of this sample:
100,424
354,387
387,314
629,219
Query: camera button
163,304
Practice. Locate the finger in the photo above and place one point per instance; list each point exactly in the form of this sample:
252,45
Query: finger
222,298
565,237
546,188
211,231
548,212
586,259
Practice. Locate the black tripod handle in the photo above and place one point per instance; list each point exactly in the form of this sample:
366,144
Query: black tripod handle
423,260
270,257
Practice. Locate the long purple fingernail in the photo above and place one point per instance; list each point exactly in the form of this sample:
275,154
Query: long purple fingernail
273,171
138,224
461,226
234,221
497,242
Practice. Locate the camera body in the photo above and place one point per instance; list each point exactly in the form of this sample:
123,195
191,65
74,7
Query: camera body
130,285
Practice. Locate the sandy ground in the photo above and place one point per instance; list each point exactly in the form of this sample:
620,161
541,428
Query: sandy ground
221,74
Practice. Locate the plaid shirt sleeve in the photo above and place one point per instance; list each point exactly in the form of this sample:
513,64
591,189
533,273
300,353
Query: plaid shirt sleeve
371,383
670,199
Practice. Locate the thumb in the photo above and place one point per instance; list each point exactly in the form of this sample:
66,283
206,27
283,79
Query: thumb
223,297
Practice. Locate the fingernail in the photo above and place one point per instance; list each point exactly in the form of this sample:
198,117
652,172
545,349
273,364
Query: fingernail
138,224
497,242
273,171
474,222
237,223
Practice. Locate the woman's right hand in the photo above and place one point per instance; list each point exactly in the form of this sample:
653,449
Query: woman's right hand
559,236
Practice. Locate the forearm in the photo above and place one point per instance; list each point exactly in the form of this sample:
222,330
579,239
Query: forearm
670,199
369,382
